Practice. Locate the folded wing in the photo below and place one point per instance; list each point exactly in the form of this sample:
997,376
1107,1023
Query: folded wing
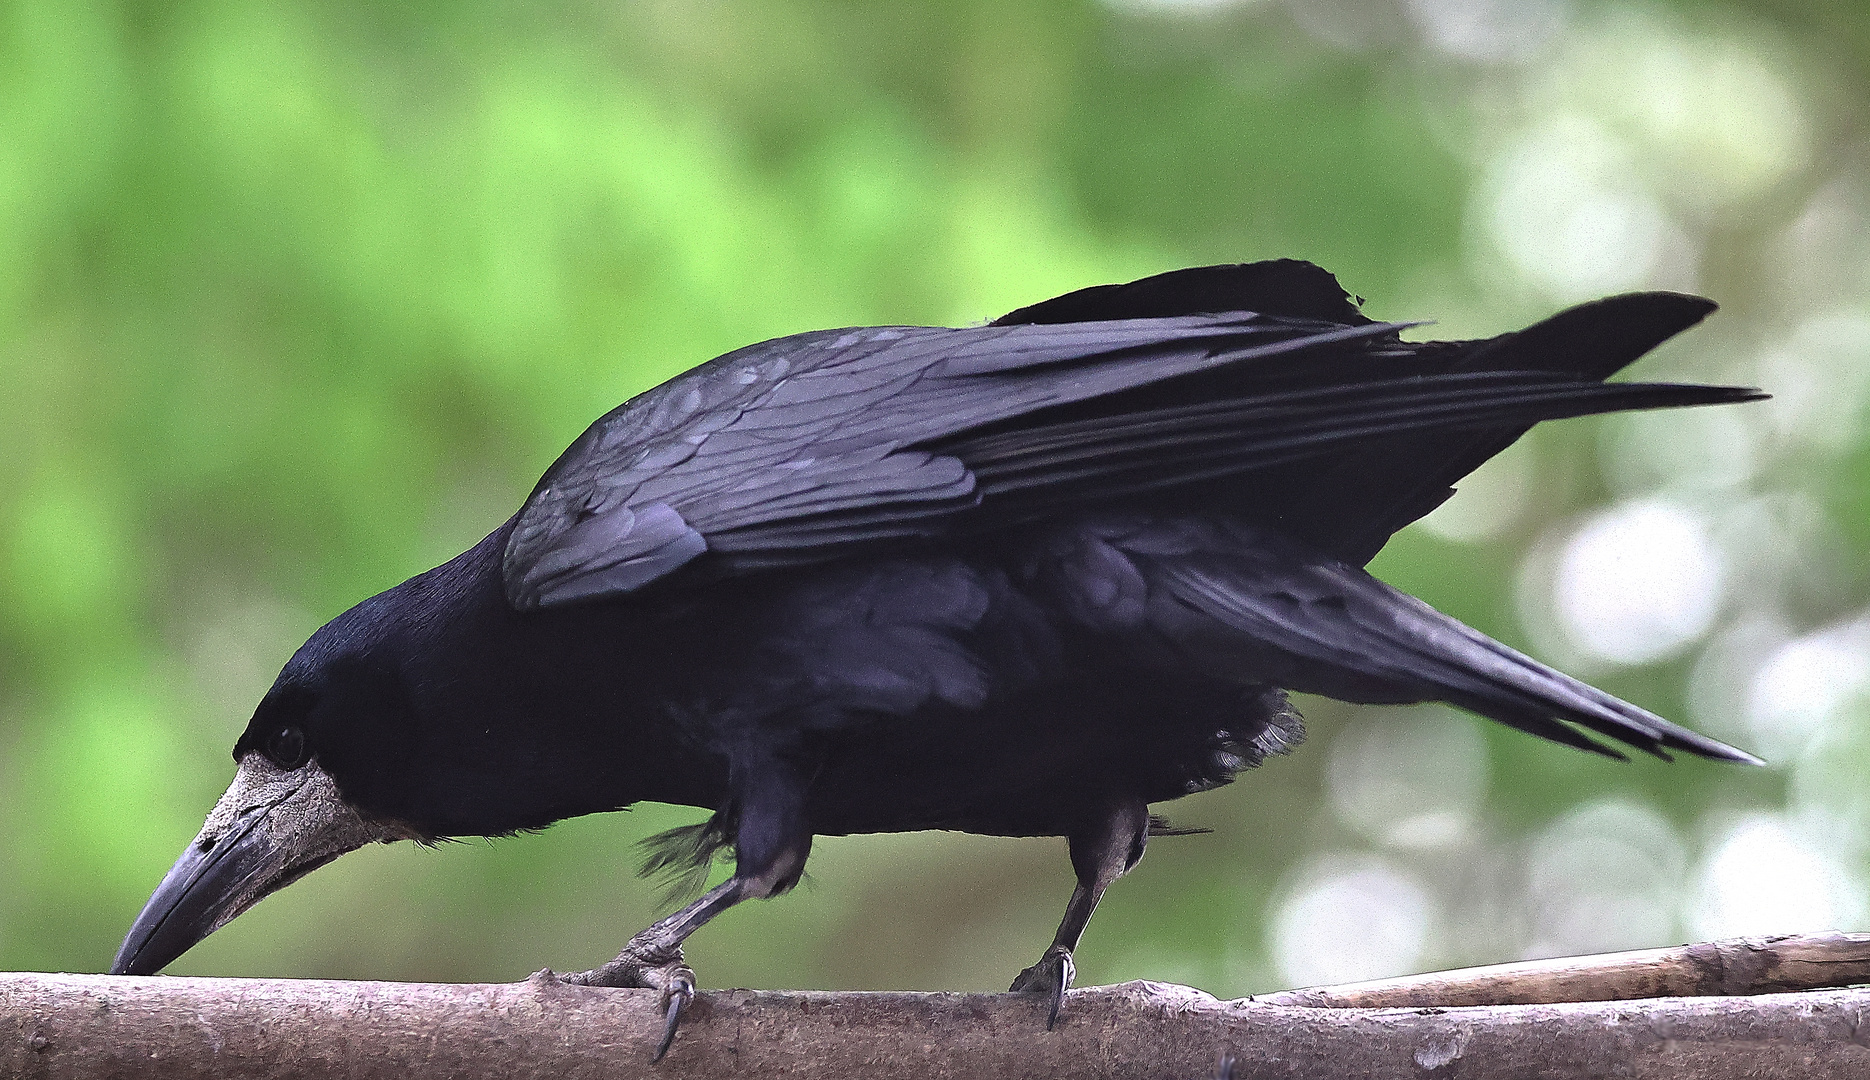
800,449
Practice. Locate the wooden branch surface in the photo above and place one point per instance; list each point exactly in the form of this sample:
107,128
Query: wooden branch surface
1736,966
1660,1012
100,1027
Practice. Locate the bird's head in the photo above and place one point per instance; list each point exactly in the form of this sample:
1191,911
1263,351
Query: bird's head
293,805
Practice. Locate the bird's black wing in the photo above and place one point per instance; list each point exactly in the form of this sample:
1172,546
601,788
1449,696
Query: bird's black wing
1289,287
1042,468
787,437
794,450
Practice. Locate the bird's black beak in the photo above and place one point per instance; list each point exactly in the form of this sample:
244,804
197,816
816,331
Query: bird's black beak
270,829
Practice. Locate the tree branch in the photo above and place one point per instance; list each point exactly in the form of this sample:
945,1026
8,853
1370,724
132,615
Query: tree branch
1766,965
100,1027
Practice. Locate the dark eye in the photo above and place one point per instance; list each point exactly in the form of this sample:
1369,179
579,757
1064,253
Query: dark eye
286,747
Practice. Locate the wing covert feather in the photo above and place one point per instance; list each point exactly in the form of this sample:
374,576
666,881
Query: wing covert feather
827,423
792,450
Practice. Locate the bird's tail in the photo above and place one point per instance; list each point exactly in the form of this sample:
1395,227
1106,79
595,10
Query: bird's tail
1331,628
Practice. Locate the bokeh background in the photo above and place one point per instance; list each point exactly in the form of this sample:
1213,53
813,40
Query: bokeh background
297,299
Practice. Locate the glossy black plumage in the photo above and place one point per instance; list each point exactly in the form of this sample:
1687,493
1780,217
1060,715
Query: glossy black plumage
871,573
1024,578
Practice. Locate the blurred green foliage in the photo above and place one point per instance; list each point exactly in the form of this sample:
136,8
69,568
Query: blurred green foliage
296,300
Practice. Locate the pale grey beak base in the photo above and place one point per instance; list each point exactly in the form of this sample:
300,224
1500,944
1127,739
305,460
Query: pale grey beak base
271,828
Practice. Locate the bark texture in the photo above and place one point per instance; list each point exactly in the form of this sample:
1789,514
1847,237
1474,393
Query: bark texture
1761,965
100,1027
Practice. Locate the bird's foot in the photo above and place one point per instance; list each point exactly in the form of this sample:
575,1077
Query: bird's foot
1051,975
652,968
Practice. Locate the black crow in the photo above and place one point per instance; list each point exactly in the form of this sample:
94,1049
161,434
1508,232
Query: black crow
1021,579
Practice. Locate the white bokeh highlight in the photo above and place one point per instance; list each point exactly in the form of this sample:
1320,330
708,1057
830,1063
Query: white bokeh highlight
1408,777
1488,502
1722,677
1825,251
1682,451
1760,876
1488,30
1180,7
1605,876
1632,130
1718,121
1349,918
1820,379
1567,209
1803,690
1351,25
1828,796
1639,582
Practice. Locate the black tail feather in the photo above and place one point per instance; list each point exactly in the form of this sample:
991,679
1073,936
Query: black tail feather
1349,636
1353,509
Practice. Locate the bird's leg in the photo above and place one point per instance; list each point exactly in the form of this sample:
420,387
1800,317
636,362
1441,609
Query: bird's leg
1105,848
771,841
653,958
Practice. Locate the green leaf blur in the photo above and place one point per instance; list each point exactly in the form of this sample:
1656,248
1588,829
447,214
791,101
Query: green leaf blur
297,300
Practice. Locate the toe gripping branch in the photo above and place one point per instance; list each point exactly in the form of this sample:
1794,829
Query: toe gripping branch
665,972
1052,975
1107,846
677,997
653,960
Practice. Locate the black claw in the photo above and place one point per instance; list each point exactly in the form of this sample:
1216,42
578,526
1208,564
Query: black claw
1051,976
678,1000
1058,998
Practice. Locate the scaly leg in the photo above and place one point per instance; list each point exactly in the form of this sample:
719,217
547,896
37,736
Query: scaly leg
1109,844
771,841
653,958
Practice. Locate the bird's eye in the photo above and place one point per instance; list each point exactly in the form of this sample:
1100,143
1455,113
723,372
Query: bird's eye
286,747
